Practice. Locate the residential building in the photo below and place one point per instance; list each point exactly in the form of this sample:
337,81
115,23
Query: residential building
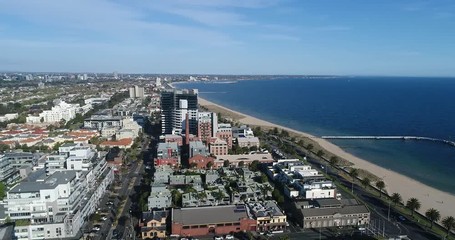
61,111
55,163
225,133
8,117
268,215
172,108
207,125
197,148
160,197
248,142
168,138
167,154
242,132
153,224
101,121
56,206
202,221
218,147
8,173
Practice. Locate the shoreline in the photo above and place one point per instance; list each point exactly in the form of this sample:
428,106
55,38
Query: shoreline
407,187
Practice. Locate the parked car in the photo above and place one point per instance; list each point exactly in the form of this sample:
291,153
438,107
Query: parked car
218,238
229,237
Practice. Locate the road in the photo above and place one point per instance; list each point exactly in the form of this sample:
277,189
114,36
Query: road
380,224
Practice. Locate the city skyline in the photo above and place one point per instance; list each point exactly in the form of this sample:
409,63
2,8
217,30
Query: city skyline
412,38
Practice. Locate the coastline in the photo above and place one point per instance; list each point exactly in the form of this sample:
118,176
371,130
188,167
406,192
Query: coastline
407,187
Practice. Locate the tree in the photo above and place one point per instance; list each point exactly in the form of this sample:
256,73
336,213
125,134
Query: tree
2,190
366,182
396,198
275,131
310,147
209,165
277,196
380,185
284,133
41,120
241,164
254,166
448,223
413,204
433,215
226,163
263,178
301,143
320,153
334,161
193,165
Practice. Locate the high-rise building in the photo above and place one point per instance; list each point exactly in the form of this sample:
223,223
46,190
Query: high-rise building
115,75
136,92
139,91
158,82
173,110
132,92
207,125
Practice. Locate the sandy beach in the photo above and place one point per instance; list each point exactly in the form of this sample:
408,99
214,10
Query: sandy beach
429,197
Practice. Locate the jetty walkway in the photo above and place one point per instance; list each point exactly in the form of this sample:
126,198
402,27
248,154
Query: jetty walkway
451,143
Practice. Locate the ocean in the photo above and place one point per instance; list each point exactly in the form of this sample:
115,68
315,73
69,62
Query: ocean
360,106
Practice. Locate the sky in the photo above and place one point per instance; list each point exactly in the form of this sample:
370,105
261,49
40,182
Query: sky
343,37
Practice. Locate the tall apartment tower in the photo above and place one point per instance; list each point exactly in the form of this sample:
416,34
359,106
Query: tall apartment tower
136,92
172,110
132,92
207,125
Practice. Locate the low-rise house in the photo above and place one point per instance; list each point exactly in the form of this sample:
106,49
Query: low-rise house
167,154
121,143
269,216
248,142
170,138
154,224
160,197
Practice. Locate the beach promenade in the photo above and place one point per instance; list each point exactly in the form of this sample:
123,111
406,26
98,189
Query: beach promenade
395,182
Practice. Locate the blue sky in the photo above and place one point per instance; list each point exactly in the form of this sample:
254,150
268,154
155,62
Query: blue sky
358,37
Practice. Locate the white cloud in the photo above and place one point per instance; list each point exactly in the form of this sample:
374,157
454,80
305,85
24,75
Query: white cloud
280,37
106,17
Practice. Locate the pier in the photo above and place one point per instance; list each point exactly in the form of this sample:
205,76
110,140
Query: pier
451,143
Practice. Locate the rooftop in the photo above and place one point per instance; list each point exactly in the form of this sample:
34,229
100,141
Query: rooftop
209,215
49,183
355,209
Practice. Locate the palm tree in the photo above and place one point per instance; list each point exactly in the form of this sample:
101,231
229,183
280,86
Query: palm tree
334,161
448,223
433,215
366,182
380,185
396,198
354,174
413,204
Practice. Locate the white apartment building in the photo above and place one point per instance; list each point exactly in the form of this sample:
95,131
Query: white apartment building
180,116
55,206
242,131
8,173
62,111
8,117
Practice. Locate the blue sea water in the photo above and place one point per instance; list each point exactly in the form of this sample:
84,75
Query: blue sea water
359,106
